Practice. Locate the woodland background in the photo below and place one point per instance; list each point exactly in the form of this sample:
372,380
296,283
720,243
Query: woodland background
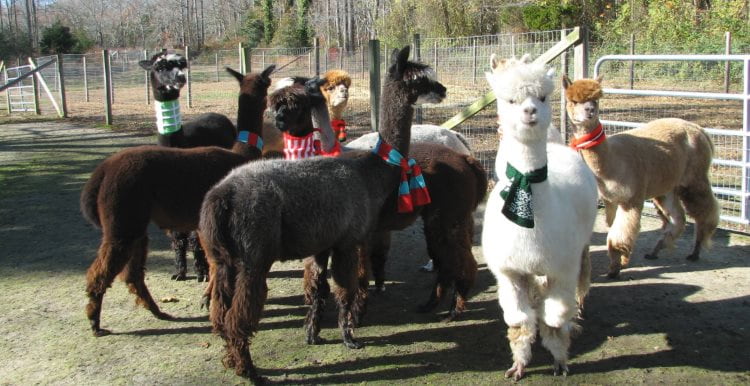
33,27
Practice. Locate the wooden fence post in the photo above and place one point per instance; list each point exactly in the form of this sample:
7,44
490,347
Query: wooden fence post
107,89
241,55
247,55
374,46
61,89
216,65
474,61
581,56
563,112
85,80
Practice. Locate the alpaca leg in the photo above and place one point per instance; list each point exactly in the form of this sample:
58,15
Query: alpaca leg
610,210
702,206
179,246
110,260
134,277
380,243
439,252
359,307
199,256
557,341
513,292
243,317
521,338
458,265
559,304
344,267
673,220
316,290
584,280
621,237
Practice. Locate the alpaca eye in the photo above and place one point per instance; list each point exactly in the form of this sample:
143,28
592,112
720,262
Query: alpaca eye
512,101
543,99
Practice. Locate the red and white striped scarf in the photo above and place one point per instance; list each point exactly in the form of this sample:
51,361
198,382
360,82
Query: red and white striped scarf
307,146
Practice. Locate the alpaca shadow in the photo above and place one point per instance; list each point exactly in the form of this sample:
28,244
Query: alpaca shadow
665,330
412,365
722,255
167,331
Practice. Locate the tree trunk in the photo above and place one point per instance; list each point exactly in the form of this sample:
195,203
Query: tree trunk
29,30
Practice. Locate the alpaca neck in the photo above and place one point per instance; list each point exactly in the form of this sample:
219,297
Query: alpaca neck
336,112
396,114
168,116
250,114
322,120
596,156
525,157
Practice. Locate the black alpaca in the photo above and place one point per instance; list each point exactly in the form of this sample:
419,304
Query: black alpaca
278,210
162,185
457,184
166,72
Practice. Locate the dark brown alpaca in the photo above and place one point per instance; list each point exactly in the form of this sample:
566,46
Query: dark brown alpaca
162,185
279,210
457,183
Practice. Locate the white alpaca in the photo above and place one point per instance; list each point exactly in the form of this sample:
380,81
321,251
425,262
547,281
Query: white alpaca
537,245
420,133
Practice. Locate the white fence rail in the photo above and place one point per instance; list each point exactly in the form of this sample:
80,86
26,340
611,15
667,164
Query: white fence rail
732,194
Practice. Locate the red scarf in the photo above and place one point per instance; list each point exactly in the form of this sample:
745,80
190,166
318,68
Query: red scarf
307,146
412,190
589,140
339,127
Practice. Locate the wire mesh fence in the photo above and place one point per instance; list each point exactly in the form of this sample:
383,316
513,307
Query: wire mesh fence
460,64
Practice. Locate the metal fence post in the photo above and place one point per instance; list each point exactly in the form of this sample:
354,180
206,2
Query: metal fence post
417,57
317,56
216,65
563,112
727,51
745,211
61,89
85,80
107,89
374,46
631,65
341,58
35,87
147,80
474,61
241,55
187,76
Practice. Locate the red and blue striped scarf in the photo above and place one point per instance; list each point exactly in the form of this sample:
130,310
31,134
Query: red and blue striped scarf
412,190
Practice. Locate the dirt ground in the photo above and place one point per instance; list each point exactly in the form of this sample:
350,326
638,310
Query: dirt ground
666,321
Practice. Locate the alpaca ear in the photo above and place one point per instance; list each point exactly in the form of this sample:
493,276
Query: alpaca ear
599,78
565,81
495,62
146,64
235,74
268,71
400,60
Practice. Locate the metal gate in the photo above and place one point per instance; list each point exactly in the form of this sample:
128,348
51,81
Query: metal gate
733,192
21,97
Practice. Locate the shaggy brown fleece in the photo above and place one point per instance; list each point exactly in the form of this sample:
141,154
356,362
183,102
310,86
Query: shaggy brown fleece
334,77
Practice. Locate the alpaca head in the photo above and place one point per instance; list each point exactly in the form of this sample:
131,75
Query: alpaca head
291,105
417,81
167,73
522,89
252,98
336,89
582,101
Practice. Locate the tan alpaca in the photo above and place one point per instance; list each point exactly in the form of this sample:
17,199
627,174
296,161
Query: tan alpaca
666,160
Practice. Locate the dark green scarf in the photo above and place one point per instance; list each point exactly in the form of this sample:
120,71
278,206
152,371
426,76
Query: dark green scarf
518,207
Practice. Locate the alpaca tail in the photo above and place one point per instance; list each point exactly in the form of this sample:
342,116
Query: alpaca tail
481,178
214,227
90,195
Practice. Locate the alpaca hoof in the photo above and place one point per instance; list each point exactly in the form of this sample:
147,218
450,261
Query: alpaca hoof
179,276
163,316
251,374
613,274
315,340
353,344
202,278
693,257
206,302
560,369
429,267
649,256
100,332
516,372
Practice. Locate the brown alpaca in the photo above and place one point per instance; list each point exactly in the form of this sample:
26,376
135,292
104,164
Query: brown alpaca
667,160
336,92
162,185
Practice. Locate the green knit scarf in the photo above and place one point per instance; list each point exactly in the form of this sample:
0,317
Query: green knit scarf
518,207
168,119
